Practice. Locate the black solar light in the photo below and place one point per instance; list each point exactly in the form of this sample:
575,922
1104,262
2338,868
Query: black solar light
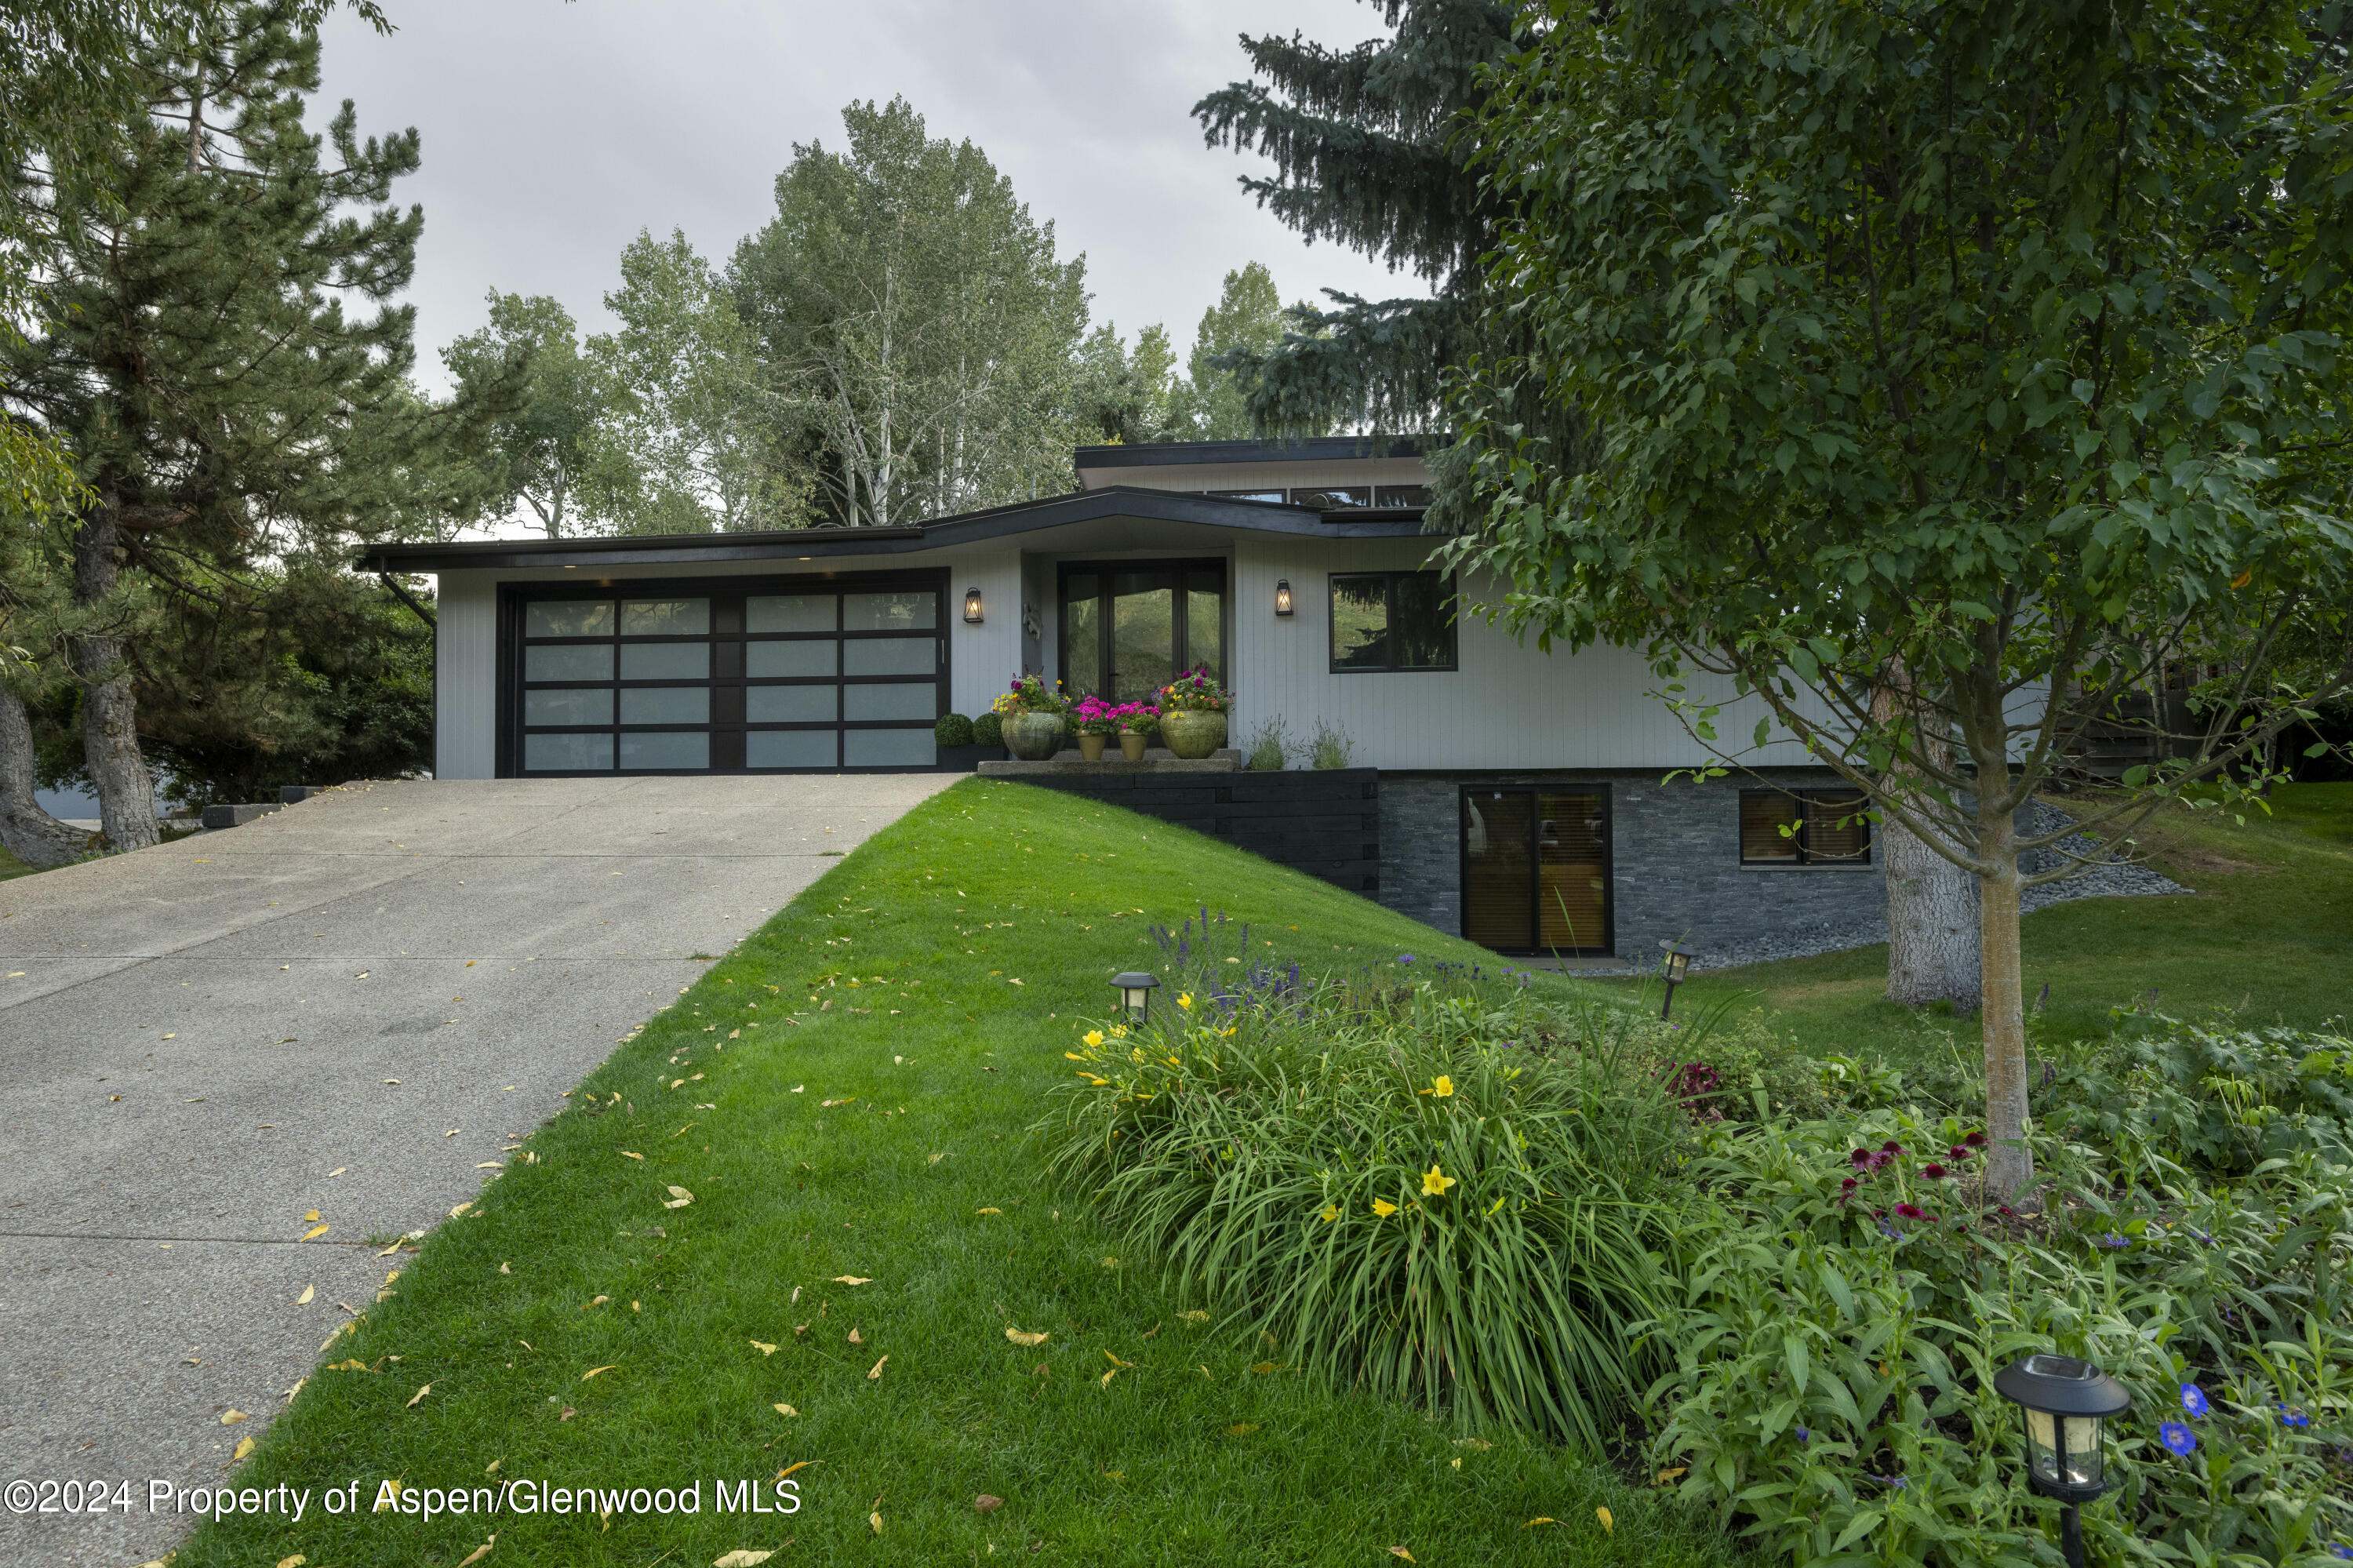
2064,1400
972,605
1283,595
1135,994
1678,968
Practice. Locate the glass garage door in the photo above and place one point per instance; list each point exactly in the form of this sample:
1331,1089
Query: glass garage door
801,679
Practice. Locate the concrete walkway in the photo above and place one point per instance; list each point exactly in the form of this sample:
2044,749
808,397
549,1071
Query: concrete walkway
349,1007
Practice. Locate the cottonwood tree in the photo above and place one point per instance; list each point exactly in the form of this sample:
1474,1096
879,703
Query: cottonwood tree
1211,402
555,450
915,322
1951,376
217,350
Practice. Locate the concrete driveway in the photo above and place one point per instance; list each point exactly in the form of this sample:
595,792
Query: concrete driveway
350,1007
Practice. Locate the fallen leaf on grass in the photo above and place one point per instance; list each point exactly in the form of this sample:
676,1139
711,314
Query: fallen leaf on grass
592,1372
1540,1518
1018,1338
1666,1476
631,1154
294,1561
354,1364
1243,1429
1115,1360
854,1339
1609,1525
1479,1443
308,1292
850,1279
1109,1375
763,1347
598,1301
231,1418
244,1447
936,1159
459,1212
876,1520
478,1553
1401,1551
988,1210
741,1558
986,1504
1262,1368
786,1410
314,1233
788,1469
875,1371
678,1198
420,1393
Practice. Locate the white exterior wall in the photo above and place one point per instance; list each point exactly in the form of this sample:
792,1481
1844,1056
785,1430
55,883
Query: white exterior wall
1507,705
981,659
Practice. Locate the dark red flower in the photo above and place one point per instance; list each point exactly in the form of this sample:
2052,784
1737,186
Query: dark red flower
1860,1158
2004,1212
1933,1172
1892,1147
1848,1184
1912,1211
1975,1140
1956,1152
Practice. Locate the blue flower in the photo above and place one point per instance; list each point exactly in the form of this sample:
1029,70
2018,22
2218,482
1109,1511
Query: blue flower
1804,1436
2178,1437
1405,957
2292,1417
2343,1550
2114,1240
2193,1400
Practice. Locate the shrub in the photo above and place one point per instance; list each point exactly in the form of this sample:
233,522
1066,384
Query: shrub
1392,1178
1268,746
2223,1101
952,729
1331,747
989,729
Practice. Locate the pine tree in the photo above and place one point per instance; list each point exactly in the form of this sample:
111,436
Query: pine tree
1362,141
222,407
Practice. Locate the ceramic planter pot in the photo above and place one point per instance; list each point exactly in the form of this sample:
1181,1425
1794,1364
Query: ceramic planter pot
1090,747
1192,733
1033,737
1132,744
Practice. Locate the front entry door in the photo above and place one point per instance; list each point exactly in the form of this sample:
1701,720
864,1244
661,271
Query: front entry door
1536,869
1129,628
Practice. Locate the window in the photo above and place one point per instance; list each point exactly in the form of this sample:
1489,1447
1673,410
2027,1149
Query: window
1535,869
1392,620
1401,496
1333,497
1130,628
1273,495
1825,827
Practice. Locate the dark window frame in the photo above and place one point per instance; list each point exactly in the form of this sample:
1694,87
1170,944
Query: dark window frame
1179,611
726,681
1836,801
1389,610
1607,793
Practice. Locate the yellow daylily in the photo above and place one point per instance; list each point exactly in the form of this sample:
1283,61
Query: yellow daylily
1119,1030
1435,1181
1331,1213
1382,1208
1442,1086
1185,1000
1093,1037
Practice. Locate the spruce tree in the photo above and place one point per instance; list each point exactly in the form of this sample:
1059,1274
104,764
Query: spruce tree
223,407
1364,144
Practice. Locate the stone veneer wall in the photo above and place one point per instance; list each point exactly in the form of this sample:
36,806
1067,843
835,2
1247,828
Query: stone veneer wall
1675,869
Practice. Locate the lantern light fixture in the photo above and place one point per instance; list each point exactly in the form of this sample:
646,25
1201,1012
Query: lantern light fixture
972,607
1675,968
2064,1400
1283,595
1135,994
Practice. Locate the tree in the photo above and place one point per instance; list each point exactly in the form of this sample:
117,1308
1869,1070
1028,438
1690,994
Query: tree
1953,375
552,453
197,357
1246,323
915,324
1365,146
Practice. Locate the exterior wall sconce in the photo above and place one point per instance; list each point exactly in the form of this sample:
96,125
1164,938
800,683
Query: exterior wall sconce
1283,595
1135,994
1675,970
972,607
2064,1400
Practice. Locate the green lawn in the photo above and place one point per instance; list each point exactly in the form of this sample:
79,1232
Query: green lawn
845,1095
11,867
2269,933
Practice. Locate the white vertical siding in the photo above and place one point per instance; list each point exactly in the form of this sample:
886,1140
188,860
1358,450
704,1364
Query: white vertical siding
1508,705
984,658
466,675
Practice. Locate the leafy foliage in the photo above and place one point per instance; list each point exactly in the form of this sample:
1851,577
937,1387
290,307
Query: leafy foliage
2224,1101
952,729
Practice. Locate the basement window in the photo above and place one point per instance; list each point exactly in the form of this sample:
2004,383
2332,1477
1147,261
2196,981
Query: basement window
1804,827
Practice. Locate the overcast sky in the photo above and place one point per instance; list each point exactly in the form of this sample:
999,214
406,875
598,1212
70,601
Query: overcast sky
553,132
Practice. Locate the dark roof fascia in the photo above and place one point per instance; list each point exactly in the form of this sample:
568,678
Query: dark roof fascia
972,527
1314,449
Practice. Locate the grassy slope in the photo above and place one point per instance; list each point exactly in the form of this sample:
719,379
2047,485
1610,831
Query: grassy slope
1188,1456
2270,932
11,867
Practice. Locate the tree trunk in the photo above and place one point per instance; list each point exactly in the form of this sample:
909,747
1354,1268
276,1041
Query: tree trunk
1933,923
31,834
2002,1011
109,719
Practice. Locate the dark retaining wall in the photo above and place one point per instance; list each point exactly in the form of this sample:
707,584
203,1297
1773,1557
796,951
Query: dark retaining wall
1326,824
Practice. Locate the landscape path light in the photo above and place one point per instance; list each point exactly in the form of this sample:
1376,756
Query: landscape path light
1678,969
2064,1400
1135,994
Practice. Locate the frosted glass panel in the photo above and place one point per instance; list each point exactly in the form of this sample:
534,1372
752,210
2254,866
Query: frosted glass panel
789,704
890,656
890,612
567,753
568,661
793,613
788,658
666,705
665,661
887,748
790,748
683,749
665,618
904,701
569,618
592,707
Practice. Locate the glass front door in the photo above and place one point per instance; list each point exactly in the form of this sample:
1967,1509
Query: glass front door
1535,869
1129,628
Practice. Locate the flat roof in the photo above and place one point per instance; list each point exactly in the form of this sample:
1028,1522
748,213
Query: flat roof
967,529
1309,449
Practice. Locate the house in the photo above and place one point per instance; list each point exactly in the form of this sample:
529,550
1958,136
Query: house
1522,794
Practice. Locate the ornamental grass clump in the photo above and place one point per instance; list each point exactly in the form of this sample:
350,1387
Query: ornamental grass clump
1390,1181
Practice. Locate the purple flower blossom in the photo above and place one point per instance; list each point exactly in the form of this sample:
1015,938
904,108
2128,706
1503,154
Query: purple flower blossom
1405,957
1804,1436
2114,1240
2193,1400
2340,1550
2289,1417
2178,1437
1933,1172
1891,1147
